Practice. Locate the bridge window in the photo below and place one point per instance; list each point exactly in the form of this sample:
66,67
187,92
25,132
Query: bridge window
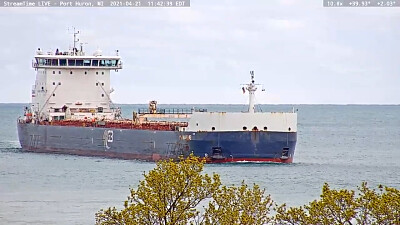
63,62
86,62
47,62
54,62
102,63
114,62
79,62
71,62
108,62
95,62
41,62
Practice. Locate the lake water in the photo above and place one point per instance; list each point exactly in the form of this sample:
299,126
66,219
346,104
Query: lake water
339,144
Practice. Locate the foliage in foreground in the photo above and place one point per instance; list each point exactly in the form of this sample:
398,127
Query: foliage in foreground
169,194
343,207
174,192
239,205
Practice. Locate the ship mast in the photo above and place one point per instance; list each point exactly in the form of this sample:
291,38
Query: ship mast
76,40
251,88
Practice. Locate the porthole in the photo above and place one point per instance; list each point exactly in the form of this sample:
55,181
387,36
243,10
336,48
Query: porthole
70,72
85,72
59,72
102,73
265,128
102,95
54,72
59,83
54,94
212,128
97,73
290,129
102,84
54,83
97,84
255,128
244,128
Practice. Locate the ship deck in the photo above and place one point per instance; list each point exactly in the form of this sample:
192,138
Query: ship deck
149,125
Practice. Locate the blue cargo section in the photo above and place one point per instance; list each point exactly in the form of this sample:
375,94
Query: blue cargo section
95,141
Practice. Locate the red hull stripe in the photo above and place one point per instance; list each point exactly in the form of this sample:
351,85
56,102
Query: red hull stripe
277,160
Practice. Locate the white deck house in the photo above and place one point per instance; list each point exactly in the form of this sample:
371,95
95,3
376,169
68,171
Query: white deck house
72,84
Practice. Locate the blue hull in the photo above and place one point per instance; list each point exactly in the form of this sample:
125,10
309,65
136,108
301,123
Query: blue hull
155,145
242,146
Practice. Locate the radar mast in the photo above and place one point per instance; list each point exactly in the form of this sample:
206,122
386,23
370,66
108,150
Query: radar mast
251,88
76,40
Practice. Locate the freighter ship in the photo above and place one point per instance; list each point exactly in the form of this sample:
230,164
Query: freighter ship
72,113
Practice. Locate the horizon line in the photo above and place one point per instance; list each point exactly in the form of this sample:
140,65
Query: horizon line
344,104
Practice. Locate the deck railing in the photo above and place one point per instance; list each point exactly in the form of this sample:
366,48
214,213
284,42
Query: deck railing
170,111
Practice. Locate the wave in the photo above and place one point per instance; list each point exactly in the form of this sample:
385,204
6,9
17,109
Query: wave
9,146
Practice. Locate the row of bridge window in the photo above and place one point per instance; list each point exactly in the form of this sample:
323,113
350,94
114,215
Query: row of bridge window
70,72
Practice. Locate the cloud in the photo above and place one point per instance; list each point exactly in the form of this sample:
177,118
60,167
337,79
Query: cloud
285,24
301,51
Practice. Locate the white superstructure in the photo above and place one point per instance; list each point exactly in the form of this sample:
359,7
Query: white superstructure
232,121
73,85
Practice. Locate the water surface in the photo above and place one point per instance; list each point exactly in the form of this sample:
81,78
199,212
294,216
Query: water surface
339,144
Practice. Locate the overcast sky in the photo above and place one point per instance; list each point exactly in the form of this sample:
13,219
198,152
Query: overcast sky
301,51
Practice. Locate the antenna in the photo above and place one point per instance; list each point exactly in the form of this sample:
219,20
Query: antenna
76,40
252,76
82,46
